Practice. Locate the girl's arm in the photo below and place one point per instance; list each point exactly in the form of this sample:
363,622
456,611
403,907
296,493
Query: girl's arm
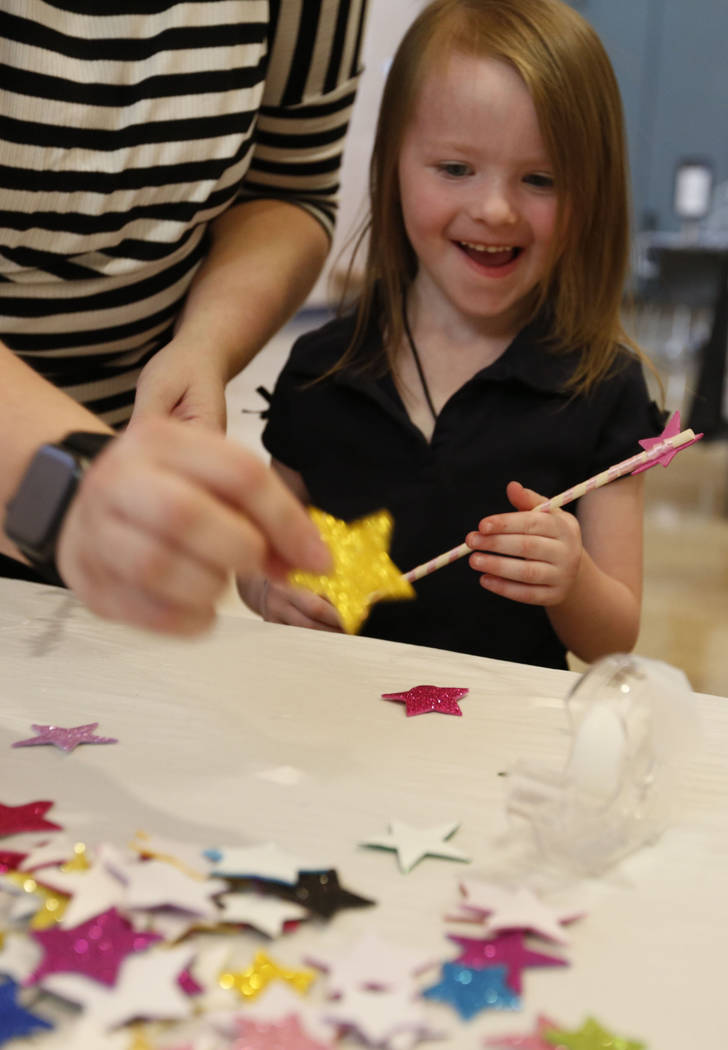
585,571
280,602
601,613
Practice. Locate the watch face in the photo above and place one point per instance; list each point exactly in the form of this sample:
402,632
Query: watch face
38,506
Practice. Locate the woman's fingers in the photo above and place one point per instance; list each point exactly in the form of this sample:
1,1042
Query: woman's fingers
165,514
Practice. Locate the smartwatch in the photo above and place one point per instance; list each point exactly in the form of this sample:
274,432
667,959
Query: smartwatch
35,514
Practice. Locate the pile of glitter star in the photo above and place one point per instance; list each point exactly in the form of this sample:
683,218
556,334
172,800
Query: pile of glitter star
141,948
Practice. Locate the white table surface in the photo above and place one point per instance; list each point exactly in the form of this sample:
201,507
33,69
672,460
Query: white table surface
209,729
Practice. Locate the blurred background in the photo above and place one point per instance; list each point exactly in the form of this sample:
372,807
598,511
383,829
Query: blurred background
669,57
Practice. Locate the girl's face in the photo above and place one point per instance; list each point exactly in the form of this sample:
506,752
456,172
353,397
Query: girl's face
477,194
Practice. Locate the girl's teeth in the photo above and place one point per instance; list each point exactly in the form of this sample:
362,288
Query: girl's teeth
487,247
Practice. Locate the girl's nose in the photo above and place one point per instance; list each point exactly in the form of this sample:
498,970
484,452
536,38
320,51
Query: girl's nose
492,204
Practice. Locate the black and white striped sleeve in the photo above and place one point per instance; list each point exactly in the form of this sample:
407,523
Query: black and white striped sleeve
310,86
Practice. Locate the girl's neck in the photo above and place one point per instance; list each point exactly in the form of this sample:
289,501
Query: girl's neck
449,350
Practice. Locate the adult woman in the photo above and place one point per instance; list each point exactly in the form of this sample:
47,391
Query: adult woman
168,191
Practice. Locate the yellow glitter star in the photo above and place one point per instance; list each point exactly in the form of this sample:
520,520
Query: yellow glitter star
53,904
591,1036
251,982
363,571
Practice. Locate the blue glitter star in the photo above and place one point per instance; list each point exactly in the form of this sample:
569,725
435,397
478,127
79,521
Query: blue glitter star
469,991
15,1020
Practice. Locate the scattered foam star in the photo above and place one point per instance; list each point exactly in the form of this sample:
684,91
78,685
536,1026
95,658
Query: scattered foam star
321,892
250,982
591,1036
15,1020
369,962
380,1018
469,991
156,884
266,861
65,739
508,949
423,699
535,1040
524,911
412,844
184,855
95,948
276,1035
363,572
93,891
262,912
147,988
28,817
46,906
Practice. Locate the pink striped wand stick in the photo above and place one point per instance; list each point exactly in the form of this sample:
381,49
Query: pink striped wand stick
662,448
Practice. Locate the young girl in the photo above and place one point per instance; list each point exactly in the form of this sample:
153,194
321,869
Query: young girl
486,346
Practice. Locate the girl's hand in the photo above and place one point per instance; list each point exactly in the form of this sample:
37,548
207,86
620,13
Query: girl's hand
298,607
532,556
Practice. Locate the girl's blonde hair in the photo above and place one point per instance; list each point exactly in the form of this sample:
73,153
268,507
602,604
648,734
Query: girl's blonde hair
575,93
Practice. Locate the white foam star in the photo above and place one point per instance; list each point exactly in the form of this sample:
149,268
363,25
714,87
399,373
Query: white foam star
266,914
412,844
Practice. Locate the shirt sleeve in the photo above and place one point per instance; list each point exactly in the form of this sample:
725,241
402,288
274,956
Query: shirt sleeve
631,415
278,435
311,81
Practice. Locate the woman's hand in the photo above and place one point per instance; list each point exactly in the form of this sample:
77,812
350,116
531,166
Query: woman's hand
182,382
163,516
296,606
530,556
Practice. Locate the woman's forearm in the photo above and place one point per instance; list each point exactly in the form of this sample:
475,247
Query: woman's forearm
32,413
264,258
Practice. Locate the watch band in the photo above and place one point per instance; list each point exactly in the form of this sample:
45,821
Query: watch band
31,521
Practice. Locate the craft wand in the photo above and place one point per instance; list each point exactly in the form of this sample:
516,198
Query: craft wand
666,447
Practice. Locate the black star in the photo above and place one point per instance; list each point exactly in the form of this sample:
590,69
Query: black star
319,891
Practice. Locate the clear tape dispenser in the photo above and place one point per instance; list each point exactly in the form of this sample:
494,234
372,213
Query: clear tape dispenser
633,722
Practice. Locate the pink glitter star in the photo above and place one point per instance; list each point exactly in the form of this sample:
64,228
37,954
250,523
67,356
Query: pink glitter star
10,860
536,1040
422,699
95,948
505,949
65,739
671,430
274,1035
29,817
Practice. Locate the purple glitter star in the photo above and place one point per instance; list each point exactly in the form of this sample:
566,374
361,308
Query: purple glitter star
95,948
507,949
65,739
422,699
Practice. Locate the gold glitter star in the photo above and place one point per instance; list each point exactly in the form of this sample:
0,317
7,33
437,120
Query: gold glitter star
591,1036
53,904
79,862
251,982
363,571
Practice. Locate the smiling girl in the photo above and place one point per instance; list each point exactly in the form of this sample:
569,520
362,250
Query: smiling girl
485,346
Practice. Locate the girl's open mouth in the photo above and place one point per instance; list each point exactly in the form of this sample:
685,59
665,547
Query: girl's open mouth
491,255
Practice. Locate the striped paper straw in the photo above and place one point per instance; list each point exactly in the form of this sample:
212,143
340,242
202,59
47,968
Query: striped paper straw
627,466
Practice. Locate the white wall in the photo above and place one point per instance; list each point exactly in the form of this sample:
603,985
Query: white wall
388,20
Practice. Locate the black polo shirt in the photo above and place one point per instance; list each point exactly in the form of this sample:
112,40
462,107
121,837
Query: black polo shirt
350,438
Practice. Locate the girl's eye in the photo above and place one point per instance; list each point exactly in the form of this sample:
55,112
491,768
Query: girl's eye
540,180
455,169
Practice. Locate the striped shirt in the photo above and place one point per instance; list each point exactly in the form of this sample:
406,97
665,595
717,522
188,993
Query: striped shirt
123,134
